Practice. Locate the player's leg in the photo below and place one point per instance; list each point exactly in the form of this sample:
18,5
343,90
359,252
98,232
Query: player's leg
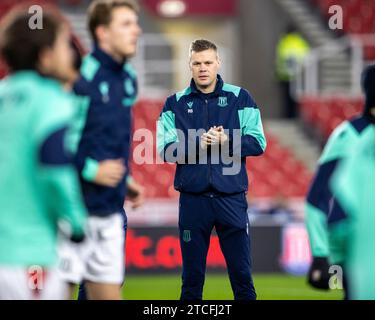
14,284
33,283
72,259
195,226
105,267
53,287
103,291
82,295
232,227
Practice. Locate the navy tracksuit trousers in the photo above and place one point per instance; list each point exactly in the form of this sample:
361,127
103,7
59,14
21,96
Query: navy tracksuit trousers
198,215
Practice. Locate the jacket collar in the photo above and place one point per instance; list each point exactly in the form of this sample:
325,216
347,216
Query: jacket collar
216,92
106,60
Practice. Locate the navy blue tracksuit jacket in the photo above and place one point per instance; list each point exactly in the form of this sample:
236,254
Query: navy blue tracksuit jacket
229,106
208,197
110,89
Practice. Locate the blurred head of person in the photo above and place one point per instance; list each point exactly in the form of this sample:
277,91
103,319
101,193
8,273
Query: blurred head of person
368,86
114,27
46,50
204,64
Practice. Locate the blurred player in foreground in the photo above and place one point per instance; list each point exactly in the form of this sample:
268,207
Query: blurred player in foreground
109,84
351,234
39,188
320,202
195,127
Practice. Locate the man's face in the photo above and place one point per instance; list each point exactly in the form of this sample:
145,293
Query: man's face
204,67
57,61
123,32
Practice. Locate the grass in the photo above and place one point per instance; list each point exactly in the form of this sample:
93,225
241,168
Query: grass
217,287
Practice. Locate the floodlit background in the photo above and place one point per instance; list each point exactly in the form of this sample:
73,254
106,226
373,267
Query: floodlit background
325,87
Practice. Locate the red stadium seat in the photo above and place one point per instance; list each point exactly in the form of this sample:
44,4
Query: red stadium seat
327,114
360,17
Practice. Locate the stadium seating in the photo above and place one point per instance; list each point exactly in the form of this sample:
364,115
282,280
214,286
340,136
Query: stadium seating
325,114
267,174
361,19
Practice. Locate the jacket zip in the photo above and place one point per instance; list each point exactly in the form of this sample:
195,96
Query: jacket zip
208,160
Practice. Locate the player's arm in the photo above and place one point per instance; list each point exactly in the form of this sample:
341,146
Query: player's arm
319,205
339,225
251,136
347,185
59,178
166,133
319,199
317,208
172,147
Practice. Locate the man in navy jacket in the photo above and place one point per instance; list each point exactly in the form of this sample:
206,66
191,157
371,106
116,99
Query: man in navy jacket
209,129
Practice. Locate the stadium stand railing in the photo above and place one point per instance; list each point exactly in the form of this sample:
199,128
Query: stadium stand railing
324,112
359,21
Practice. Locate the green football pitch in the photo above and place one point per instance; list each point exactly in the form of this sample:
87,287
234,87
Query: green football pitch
217,287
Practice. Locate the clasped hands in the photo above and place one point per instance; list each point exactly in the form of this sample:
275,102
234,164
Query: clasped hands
214,136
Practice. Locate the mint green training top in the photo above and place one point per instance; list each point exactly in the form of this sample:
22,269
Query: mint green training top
319,201
352,235
38,185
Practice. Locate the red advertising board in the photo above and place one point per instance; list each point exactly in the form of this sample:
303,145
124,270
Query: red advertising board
158,249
